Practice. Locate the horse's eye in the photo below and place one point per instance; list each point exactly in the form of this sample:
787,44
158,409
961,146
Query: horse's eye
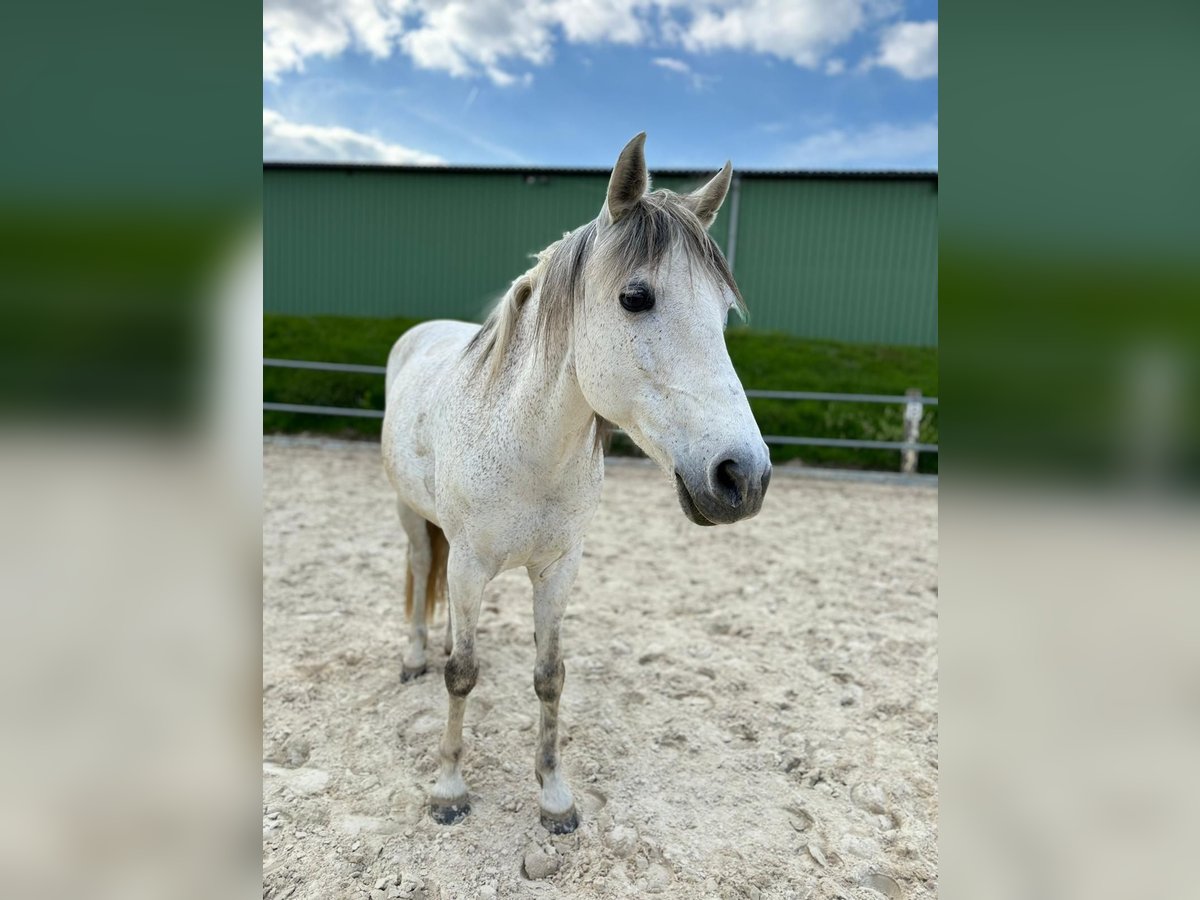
637,299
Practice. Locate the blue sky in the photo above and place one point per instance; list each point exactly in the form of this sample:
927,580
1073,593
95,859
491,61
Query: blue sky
838,84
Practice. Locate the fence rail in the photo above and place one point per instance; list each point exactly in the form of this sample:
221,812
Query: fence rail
325,366
323,410
909,448
842,398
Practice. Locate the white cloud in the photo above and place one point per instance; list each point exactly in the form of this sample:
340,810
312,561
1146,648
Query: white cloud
465,38
697,81
675,65
594,21
294,30
882,146
293,142
835,66
497,38
801,31
911,48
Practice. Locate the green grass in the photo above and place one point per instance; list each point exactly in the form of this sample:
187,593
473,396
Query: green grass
763,360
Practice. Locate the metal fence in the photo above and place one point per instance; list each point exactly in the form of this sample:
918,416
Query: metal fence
910,448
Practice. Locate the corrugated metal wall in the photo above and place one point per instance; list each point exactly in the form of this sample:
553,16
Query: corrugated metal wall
852,260
847,260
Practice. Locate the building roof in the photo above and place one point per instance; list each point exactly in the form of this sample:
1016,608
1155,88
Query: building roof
819,174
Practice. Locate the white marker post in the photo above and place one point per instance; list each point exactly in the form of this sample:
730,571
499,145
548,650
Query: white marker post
914,411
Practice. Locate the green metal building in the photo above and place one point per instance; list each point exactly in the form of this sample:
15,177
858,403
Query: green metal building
843,256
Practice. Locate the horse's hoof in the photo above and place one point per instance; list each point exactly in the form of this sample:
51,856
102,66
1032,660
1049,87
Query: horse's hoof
407,674
450,813
560,823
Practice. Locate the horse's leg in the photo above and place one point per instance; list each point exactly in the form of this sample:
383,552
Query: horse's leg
467,578
420,559
551,587
448,640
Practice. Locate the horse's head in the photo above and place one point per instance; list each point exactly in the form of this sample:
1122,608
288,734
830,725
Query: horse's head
650,351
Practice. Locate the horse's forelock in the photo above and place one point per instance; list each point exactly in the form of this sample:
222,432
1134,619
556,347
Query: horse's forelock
641,240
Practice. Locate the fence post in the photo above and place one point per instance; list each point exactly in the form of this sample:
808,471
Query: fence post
914,411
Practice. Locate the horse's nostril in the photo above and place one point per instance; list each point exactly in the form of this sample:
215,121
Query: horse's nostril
730,480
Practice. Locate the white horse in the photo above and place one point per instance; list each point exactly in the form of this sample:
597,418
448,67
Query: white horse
493,434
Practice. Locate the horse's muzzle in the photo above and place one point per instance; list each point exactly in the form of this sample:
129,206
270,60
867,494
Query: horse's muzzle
730,489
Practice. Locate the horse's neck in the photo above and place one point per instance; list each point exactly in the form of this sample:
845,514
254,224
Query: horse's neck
545,401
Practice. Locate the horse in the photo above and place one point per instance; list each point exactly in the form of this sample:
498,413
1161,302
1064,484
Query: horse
493,435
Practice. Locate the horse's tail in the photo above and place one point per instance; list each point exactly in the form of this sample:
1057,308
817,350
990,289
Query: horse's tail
435,584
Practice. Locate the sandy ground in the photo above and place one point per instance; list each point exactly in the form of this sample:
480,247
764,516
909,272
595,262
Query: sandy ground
749,711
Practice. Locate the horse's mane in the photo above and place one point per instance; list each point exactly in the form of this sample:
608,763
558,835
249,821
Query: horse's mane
640,240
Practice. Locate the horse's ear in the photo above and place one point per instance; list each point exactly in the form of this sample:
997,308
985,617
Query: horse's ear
629,180
706,201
